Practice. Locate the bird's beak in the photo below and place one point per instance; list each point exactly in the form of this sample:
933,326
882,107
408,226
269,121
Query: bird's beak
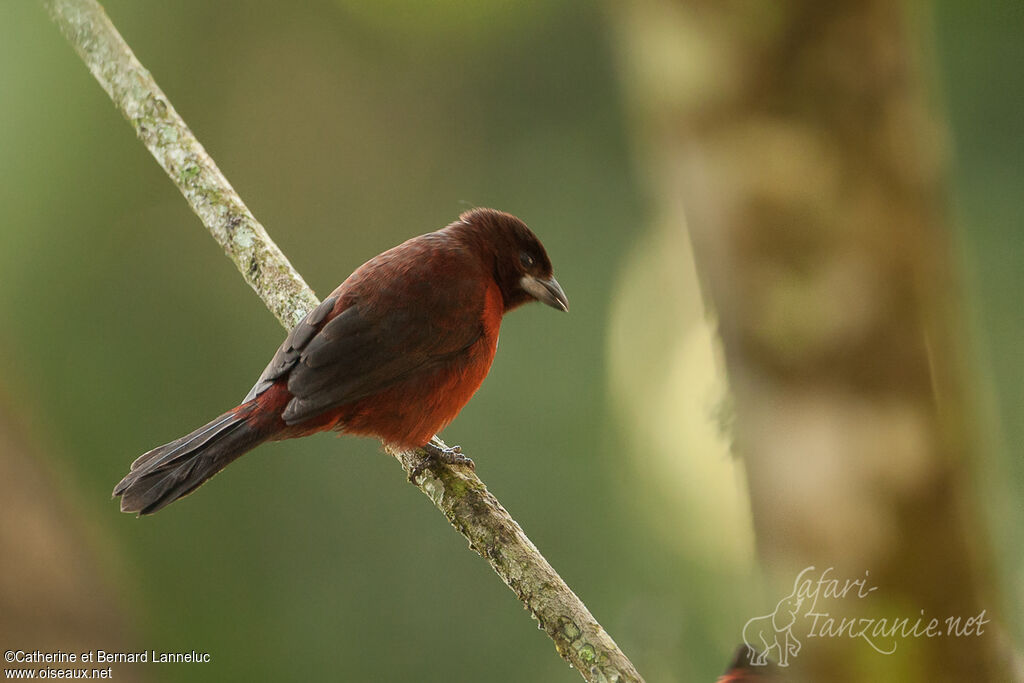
546,291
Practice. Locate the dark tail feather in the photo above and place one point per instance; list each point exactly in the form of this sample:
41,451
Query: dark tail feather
174,470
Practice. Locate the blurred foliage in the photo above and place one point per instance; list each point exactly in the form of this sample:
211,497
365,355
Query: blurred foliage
348,127
980,58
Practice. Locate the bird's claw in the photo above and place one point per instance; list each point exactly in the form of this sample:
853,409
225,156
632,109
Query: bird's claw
436,452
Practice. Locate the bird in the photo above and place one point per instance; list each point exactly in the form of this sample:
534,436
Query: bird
394,352
742,670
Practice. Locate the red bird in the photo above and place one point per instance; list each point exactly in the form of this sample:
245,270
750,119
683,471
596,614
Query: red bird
395,352
742,671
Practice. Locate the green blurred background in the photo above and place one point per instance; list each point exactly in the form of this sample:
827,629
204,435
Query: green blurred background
348,127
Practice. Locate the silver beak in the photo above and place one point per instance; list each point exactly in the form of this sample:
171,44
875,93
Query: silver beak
546,291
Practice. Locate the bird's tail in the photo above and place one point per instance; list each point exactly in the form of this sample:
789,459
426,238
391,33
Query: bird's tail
174,470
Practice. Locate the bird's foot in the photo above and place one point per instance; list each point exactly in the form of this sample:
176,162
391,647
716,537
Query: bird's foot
437,452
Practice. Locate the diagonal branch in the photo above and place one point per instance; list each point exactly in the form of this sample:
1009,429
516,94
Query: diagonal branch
458,494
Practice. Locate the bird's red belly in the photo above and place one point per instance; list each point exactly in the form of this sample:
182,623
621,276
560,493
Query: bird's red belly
409,413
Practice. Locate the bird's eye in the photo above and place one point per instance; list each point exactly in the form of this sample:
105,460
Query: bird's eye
526,260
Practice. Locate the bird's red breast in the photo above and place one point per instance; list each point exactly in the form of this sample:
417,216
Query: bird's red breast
410,412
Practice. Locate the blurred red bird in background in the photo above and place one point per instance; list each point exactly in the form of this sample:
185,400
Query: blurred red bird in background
742,671
395,352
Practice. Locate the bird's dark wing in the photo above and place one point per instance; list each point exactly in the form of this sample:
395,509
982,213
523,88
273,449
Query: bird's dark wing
288,353
392,328
355,356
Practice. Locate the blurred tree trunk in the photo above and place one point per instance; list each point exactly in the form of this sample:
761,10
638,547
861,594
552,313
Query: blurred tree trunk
799,138
54,594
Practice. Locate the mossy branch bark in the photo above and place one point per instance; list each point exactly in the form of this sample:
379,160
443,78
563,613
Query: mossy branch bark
458,494
495,536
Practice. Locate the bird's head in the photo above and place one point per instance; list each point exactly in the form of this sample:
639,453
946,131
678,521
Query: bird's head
522,268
